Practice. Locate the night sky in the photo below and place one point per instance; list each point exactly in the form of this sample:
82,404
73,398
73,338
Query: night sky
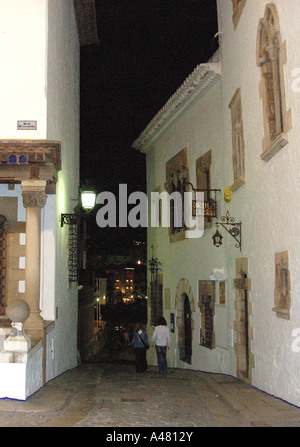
147,49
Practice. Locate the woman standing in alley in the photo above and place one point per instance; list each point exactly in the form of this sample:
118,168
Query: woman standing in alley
162,340
140,344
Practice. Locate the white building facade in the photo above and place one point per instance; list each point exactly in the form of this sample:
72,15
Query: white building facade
233,126
39,148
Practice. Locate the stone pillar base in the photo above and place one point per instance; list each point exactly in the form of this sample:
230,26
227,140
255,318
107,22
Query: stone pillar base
17,341
34,325
18,344
35,334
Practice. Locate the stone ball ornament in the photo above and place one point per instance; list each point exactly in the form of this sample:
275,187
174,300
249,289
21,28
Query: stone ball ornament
17,311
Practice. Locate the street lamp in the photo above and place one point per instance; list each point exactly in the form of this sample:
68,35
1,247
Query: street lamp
86,203
88,200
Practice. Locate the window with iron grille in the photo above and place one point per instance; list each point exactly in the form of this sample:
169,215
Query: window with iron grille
73,253
3,250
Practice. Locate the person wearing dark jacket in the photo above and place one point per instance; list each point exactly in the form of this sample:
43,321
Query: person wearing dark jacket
140,344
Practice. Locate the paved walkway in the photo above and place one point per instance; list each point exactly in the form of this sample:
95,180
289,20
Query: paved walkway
114,395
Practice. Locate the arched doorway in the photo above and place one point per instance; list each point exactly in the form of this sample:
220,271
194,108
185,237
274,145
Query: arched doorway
185,306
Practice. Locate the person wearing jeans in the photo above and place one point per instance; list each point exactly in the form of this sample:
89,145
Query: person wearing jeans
162,340
140,345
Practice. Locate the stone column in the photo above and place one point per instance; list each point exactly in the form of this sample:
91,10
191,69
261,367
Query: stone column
34,198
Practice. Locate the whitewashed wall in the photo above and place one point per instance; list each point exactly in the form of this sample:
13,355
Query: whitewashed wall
39,49
23,55
63,125
23,93
268,204
198,129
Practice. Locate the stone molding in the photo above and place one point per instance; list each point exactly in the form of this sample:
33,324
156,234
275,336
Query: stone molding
238,6
194,86
242,286
238,144
41,159
36,151
182,288
33,193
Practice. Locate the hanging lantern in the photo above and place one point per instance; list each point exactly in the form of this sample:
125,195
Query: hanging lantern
217,238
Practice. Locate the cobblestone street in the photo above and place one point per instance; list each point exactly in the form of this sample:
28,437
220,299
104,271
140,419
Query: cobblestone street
112,394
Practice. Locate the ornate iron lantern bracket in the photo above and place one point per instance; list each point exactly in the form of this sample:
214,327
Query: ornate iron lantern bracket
86,202
232,227
70,219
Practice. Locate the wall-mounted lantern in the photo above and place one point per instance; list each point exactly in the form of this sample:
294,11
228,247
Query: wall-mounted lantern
86,203
232,227
88,200
217,238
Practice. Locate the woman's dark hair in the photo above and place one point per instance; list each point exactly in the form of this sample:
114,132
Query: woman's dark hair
140,326
161,321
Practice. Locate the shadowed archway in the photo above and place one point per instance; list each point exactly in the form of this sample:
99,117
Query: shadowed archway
185,306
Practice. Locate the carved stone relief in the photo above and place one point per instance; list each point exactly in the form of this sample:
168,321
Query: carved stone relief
177,175
271,56
238,150
34,199
282,291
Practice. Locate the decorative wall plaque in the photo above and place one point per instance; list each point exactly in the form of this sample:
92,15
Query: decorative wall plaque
282,292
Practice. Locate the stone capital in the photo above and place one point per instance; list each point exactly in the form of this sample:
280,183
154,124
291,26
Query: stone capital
33,193
34,199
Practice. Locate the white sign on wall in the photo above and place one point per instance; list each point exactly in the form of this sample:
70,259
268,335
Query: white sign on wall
27,125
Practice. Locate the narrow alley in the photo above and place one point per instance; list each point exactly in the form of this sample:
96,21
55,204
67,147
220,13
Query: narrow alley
111,394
